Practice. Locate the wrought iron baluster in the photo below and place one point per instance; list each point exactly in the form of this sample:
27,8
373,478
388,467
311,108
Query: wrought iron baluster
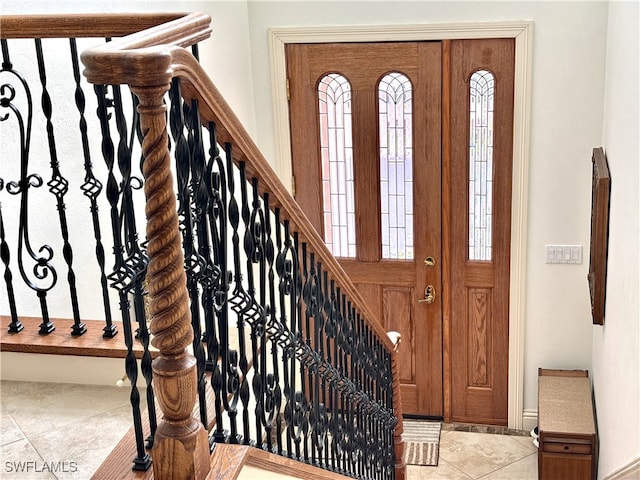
122,276
254,254
138,252
189,153
211,274
238,302
59,186
277,330
286,339
217,214
44,275
315,293
331,334
136,260
197,170
306,384
343,349
326,356
91,188
253,312
296,323
291,284
15,325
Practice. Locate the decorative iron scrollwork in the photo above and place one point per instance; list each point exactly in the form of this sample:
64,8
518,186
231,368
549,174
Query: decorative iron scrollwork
43,276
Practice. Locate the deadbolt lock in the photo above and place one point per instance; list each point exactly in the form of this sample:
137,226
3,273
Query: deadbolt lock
429,261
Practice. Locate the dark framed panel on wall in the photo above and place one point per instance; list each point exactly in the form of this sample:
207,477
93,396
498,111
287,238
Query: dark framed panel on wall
600,192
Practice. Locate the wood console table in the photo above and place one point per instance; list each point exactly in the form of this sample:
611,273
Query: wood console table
566,426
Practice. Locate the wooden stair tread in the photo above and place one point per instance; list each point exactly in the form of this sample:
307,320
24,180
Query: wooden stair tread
119,462
61,342
226,462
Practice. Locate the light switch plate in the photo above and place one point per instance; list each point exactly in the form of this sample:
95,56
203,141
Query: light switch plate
565,254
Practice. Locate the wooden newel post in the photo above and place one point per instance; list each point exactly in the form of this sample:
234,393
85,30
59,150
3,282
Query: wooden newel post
181,447
398,442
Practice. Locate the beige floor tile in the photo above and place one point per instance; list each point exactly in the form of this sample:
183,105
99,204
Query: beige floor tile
85,443
528,441
82,424
9,431
444,471
525,469
20,461
42,407
478,454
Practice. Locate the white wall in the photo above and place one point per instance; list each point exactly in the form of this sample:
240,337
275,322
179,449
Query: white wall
225,56
616,345
567,111
568,82
226,51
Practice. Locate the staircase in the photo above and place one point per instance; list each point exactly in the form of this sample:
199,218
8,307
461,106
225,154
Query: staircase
253,346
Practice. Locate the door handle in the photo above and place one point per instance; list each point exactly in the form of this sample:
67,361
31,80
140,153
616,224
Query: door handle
429,295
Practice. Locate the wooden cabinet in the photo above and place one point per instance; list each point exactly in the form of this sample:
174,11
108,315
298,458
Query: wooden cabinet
566,426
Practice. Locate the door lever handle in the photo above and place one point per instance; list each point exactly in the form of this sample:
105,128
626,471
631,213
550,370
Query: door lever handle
429,295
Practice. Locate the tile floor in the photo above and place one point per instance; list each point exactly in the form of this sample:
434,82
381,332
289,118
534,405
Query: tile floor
72,428
486,456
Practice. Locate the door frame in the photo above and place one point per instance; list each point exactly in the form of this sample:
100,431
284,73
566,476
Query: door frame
522,32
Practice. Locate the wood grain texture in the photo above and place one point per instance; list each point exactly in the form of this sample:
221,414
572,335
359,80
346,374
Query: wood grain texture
398,442
181,447
597,276
446,229
61,342
364,65
81,25
144,58
468,324
119,462
279,464
399,317
227,461
197,85
479,359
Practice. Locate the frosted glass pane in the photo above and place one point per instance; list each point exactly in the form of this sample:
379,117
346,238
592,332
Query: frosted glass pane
334,97
396,165
481,96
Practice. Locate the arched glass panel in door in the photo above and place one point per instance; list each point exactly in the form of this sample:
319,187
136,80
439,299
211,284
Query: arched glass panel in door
481,96
334,97
396,166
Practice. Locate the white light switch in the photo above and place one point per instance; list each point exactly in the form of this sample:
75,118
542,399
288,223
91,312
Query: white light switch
563,254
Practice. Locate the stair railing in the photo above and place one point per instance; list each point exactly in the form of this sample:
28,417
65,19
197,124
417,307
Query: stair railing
345,359
299,365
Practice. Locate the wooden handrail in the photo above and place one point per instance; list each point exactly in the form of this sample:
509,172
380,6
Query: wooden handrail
148,61
141,59
147,52
81,25
196,84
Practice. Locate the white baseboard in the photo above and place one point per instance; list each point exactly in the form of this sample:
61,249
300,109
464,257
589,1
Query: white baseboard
630,471
529,419
30,367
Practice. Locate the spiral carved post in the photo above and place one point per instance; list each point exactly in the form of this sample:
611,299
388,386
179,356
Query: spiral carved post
181,447
398,442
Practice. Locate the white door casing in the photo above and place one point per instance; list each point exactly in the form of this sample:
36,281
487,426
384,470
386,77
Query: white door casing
522,32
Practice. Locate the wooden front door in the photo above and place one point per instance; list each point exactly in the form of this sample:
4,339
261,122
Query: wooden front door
387,191
481,159
367,130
